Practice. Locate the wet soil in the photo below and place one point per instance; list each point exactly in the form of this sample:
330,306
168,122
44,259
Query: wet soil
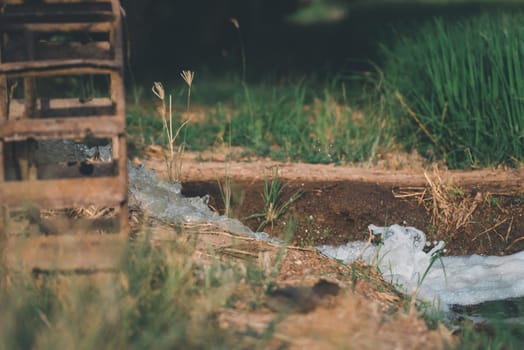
336,212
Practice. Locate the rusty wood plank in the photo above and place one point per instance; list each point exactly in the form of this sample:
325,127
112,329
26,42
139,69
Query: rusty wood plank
57,27
29,82
65,193
44,50
55,67
117,80
20,2
116,35
122,157
122,171
65,252
124,219
4,98
66,103
62,128
2,160
3,225
35,12
117,93
64,107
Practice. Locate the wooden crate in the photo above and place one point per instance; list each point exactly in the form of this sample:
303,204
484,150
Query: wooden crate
52,42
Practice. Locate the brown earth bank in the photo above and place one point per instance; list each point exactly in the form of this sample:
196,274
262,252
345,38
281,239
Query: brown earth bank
478,211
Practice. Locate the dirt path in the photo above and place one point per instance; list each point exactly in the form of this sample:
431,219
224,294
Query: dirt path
211,166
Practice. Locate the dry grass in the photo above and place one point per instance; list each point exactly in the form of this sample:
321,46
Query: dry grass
451,208
174,154
91,211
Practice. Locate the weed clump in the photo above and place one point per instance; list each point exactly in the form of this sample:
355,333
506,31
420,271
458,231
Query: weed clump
274,205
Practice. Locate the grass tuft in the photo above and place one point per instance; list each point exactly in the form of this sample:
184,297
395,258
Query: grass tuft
274,205
457,90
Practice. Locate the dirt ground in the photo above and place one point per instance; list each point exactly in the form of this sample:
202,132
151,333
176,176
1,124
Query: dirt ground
358,309
473,211
337,203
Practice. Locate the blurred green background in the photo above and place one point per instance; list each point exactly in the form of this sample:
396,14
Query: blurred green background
280,36
289,78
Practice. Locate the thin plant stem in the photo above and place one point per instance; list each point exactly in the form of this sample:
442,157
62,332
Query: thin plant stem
174,156
188,77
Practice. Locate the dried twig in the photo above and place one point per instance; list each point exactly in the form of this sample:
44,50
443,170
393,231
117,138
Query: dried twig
513,243
490,229
451,210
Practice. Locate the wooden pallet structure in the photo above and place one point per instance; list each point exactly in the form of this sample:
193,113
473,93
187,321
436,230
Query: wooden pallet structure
61,83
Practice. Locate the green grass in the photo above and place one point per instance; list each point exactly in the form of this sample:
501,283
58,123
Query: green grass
274,204
458,90
302,121
299,123
453,91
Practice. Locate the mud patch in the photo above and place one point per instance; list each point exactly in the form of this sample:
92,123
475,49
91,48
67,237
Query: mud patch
335,212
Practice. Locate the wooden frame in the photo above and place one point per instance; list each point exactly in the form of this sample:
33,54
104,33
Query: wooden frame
33,117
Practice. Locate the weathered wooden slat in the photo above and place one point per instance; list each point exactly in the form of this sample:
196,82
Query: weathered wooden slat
117,93
45,50
60,66
60,103
37,12
62,128
19,2
122,170
4,97
58,27
63,107
65,193
66,253
2,162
